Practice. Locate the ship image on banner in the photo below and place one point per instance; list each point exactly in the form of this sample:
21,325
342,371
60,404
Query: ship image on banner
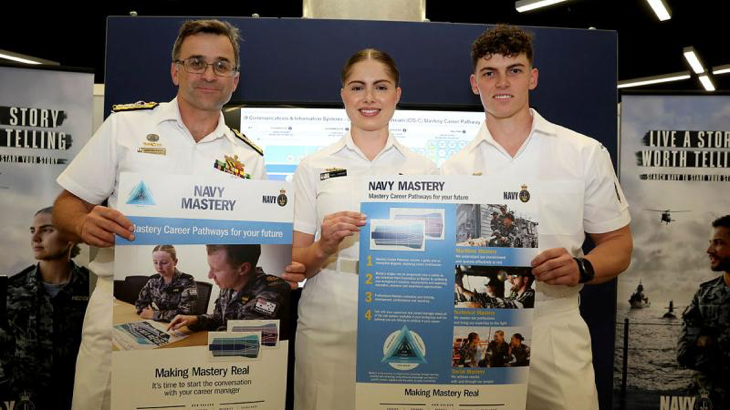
638,299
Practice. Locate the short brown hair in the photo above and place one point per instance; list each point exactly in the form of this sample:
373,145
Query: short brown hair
237,255
371,54
503,39
222,28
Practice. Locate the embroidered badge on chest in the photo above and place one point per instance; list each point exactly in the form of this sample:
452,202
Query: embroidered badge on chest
231,165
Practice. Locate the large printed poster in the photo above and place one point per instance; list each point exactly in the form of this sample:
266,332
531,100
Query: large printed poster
200,319
445,293
45,120
675,173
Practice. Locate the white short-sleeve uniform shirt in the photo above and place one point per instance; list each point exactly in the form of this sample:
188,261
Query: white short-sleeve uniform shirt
327,182
150,141
578,188
579,193
155,141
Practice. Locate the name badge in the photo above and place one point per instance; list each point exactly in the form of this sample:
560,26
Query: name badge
152,150
333,173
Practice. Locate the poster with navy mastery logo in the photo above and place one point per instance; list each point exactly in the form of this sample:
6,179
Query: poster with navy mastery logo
445,293
675,172
200,318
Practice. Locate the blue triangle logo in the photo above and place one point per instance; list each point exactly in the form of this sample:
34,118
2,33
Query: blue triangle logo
404,349
141,195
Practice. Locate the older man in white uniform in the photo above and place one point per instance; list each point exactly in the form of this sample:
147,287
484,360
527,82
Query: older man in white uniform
579,193
185,136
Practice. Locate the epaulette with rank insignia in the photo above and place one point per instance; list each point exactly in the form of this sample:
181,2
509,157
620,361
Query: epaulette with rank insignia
248,142
139,105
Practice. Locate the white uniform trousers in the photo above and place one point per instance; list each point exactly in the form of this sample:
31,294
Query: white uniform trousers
326,343
561,362
92,387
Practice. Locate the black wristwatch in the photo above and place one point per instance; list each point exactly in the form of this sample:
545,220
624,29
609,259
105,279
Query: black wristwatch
586,270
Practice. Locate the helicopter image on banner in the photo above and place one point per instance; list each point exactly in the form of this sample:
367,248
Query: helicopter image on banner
666,214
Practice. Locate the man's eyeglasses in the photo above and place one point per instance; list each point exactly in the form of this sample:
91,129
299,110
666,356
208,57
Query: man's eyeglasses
195,65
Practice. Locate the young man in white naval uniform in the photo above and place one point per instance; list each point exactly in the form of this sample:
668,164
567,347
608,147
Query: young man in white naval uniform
579,193
185,136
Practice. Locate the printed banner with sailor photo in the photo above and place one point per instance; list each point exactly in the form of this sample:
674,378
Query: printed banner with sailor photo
200,316
446,292
45,119
675,173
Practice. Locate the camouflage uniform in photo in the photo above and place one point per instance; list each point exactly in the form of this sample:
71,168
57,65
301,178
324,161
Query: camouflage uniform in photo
498,354
708,315
520,355
40,339
495,223
263,297
469,355
178,297
505,232
525,300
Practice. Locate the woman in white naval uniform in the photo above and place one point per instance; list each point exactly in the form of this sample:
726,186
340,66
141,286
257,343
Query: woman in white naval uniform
326,226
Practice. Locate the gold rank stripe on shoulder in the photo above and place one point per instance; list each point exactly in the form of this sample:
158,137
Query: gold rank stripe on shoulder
248,142
139,105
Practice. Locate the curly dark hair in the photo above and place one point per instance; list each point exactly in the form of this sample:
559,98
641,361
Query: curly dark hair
503,39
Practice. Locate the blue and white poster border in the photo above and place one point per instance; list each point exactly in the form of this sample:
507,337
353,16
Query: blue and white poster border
413,324
188,212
